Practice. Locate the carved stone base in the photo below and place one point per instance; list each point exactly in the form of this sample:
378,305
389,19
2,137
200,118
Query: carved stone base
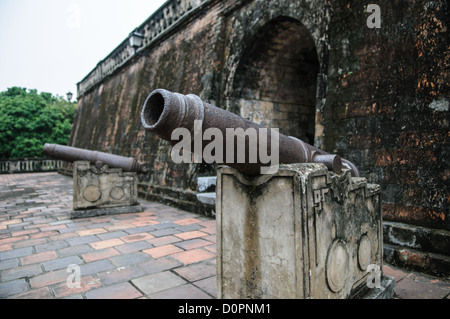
302,233
102,187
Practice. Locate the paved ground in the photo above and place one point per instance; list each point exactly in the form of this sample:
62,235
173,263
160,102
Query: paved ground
160,253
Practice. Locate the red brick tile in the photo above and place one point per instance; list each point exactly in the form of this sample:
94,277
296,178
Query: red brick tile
5,247
411,288
121,274
141,217
10,222
30,242
136,237
119,227
50,228
211,248
397,274
37,258
209,223
193,256
133,247
186,221
209,285
163,240
31,211
145,223
162,251
24,232
98,219
197,271
49,278
210,230
106,243
191,235
99,254
93,231
193,243
40,222
44,234
211,238
87,283
118,291
157,282
12,239
62,236
41,293
21,272
181,292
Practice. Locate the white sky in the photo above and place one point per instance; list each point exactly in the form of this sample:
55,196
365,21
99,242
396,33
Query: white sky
50,45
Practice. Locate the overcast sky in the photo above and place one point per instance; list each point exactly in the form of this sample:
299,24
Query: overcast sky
51,45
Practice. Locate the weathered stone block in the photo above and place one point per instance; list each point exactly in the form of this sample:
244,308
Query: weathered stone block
301,233
102,187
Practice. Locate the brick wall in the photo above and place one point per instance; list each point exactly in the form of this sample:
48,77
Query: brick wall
388,112
382,114
382,102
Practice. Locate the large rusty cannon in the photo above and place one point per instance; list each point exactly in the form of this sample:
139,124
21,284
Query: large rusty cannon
72,154
164,112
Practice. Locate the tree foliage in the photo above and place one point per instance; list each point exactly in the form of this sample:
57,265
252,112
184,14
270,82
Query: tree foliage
28,120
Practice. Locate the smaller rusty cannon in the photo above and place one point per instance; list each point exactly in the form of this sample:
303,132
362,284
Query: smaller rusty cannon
165,112
73,154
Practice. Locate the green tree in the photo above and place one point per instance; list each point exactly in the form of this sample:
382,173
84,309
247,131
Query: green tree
28,120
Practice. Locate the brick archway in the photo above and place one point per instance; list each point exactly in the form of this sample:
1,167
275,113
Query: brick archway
275,82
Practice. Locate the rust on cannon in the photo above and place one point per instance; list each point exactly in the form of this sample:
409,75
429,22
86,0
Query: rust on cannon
165,111
73,154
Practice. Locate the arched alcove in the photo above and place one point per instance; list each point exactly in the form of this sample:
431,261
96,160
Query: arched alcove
276,79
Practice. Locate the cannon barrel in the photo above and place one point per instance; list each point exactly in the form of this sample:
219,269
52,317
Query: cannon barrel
165,111
72,154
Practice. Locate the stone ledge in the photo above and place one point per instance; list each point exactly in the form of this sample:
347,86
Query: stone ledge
207,198
179,198
105,211
417,237
425,262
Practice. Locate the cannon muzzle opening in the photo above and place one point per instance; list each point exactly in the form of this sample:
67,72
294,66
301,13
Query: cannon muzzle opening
154,107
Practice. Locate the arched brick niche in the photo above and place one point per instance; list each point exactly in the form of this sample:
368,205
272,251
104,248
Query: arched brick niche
276,80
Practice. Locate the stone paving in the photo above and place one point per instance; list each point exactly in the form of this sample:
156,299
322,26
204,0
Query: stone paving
159,253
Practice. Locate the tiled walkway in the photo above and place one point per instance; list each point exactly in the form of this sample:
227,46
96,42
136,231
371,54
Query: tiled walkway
160,253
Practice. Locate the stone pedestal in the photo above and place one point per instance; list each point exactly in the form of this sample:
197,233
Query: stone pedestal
102,191
301,233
